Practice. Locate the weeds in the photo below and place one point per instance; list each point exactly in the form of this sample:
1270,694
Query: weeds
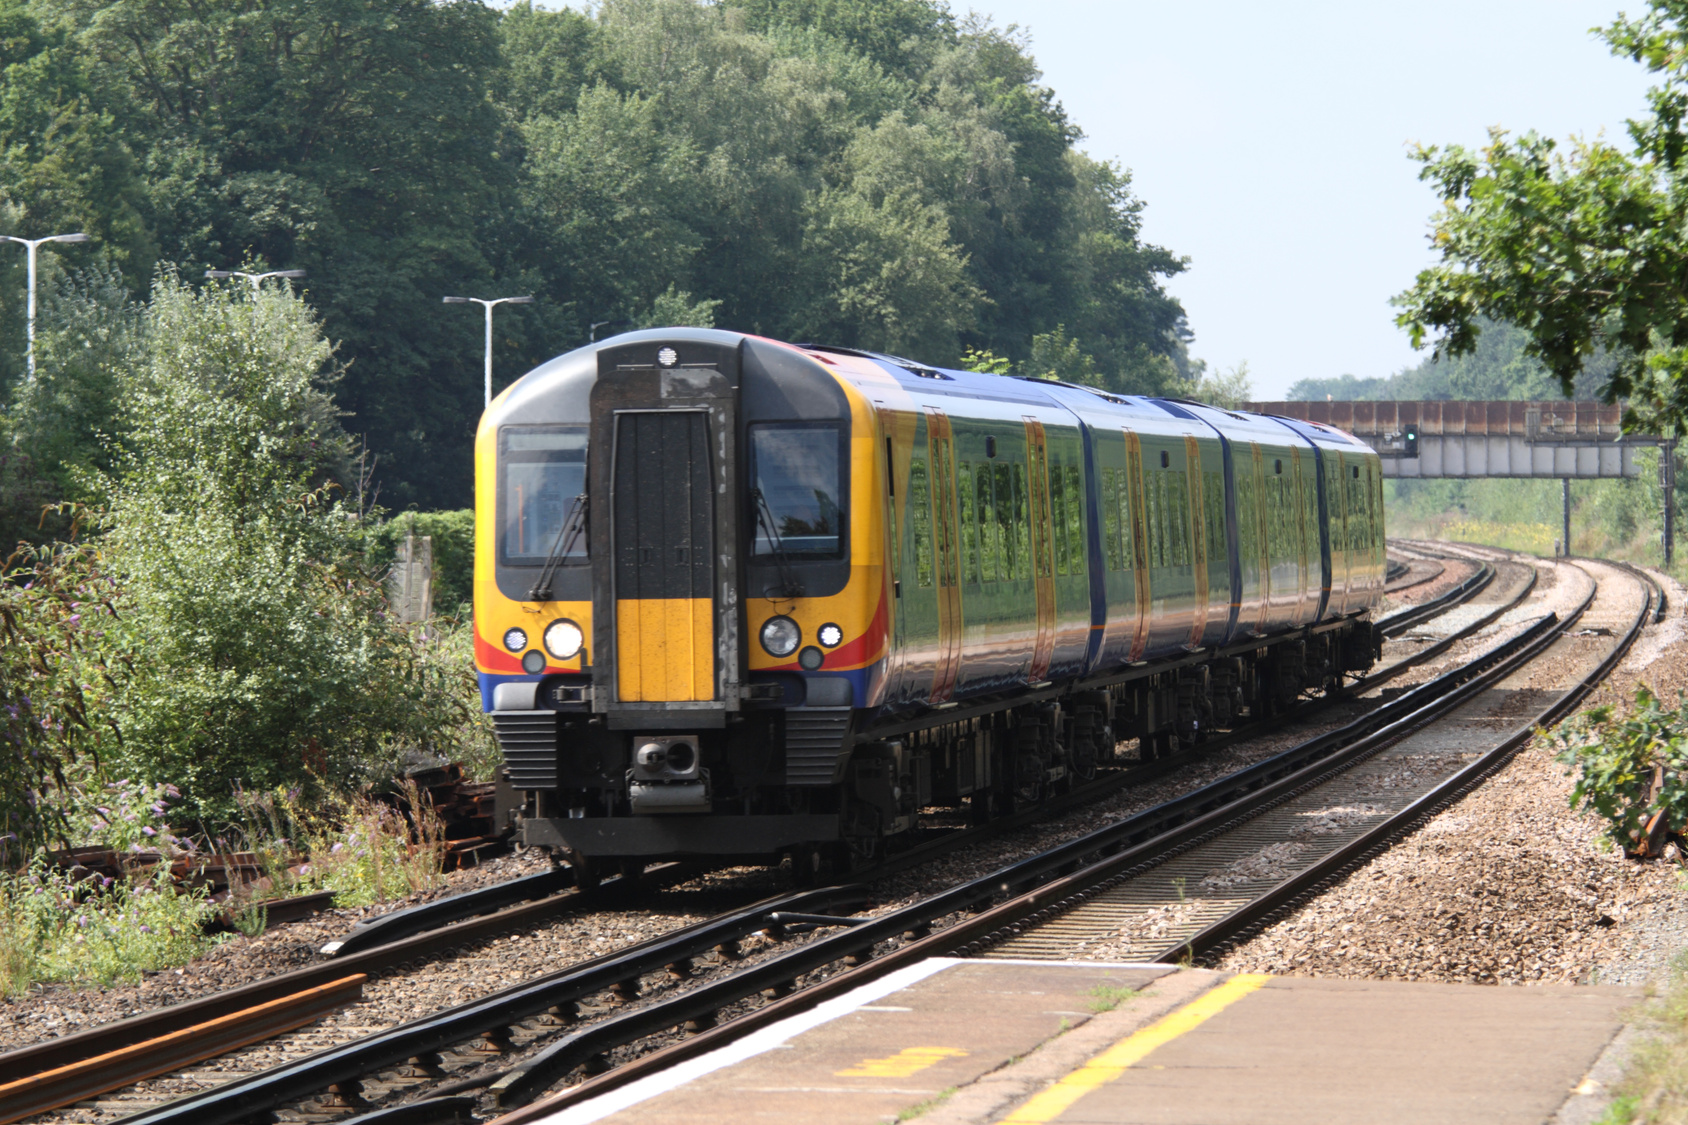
54,927
364,850
1654,1087
1107,997
921,1109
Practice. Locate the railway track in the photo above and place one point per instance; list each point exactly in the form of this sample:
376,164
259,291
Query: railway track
512,1020
1115,857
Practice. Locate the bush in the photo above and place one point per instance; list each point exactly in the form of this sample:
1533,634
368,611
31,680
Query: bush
259,647
1631,768
55,610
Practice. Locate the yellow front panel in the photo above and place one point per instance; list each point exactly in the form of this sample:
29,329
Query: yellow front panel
665,650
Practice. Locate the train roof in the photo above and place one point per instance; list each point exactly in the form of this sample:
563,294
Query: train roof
547,390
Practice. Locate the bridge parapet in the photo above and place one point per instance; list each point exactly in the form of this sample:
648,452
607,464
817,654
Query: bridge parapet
1427,440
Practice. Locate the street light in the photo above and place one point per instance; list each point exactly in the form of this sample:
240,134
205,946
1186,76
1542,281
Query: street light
255,278
32,243
592,334
487,305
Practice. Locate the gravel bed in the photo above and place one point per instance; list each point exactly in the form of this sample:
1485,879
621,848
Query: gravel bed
1509,886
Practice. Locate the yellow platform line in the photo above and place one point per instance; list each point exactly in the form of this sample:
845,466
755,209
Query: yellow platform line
1112,1063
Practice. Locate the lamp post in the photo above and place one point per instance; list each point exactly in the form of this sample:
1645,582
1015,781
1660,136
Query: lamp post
592,333
488,305
255,278
32,244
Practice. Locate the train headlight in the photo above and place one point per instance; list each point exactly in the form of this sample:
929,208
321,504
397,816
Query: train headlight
515,639
781,636
829,635
563,639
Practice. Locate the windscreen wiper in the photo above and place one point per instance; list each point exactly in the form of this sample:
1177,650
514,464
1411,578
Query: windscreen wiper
790,587
567,535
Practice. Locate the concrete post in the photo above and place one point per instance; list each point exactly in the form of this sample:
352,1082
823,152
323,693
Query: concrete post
410,591
1667,477
1566,483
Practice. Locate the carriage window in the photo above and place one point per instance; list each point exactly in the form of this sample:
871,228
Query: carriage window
796,472
544,470
969,524
1111,542
1072,527
920,515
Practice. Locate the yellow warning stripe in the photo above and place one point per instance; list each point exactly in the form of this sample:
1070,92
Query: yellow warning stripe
1112,1063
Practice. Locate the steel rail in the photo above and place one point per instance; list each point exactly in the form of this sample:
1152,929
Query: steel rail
1366,846
1397,623
52,1053
37,1093
1389,672
432,915
698,1008
563,990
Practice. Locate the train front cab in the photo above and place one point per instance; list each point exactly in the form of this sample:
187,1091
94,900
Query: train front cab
676,599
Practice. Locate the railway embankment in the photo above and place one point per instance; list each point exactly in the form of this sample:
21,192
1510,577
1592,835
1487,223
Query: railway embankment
1508,886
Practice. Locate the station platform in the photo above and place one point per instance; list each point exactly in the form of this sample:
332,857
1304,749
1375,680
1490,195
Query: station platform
957,1042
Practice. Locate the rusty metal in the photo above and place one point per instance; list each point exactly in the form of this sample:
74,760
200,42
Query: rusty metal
85,1077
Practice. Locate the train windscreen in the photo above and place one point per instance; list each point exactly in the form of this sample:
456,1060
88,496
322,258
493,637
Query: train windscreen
796,472
544,471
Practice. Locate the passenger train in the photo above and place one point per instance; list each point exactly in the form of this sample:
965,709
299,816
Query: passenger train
750,600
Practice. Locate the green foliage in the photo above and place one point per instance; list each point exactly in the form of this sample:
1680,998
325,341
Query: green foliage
1228,390
95,932
874,173
986,362
1629,765
1056,355
253,629
1581,245
364,850
1498,366
54,608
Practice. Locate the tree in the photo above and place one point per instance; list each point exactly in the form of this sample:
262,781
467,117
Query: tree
1584,248
254,636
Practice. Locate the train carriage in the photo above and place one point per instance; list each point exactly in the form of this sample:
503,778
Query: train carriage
745,599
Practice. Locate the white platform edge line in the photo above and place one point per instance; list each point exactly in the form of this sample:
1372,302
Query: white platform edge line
756,1043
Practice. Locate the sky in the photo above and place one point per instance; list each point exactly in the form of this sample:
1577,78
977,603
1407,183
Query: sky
1271,145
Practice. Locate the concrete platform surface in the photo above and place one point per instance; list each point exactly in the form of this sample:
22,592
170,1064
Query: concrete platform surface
956,1042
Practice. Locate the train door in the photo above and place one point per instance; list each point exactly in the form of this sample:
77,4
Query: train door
1301,512
1341,542
897,429
919,612
947,534
1198,538
1251,518
1139,540
1043,547
663,510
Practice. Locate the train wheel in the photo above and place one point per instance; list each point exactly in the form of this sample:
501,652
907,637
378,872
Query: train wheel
587,873
1028,780
632,873
811,866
